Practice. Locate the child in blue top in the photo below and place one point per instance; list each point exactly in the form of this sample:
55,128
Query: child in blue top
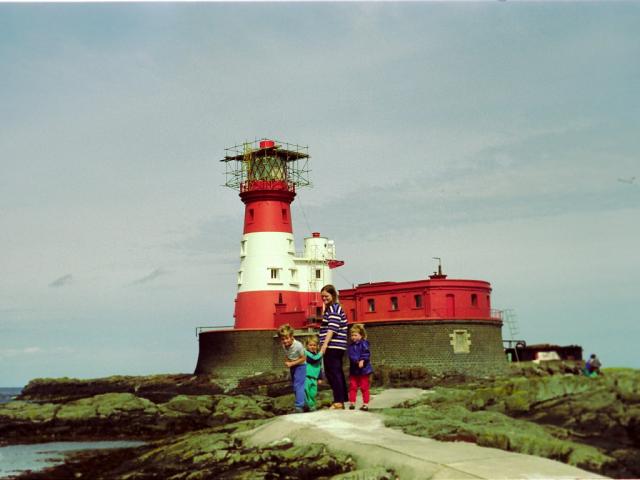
359,366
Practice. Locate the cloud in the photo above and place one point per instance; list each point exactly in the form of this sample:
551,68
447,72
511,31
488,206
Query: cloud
158,272
62,281
17,352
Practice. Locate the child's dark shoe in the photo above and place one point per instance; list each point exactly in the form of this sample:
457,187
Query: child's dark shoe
365,408
352,407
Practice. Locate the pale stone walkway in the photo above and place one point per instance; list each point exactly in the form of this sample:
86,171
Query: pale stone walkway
364,436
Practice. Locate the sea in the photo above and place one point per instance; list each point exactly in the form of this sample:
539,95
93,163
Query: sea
16,459
9,393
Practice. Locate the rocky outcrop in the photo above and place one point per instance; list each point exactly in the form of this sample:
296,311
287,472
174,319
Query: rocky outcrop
204,455
157,388
591,423
124,415
127,415
548,410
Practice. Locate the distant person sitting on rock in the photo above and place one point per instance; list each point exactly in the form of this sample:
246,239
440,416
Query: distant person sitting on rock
295,359
314,367
592,367
359,366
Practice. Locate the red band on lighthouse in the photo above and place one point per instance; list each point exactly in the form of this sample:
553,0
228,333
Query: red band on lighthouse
267,309
267,211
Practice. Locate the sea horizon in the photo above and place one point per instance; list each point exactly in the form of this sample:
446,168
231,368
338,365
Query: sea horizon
8,394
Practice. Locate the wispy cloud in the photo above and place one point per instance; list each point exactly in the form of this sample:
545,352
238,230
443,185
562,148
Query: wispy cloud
158,272
62,281
16,352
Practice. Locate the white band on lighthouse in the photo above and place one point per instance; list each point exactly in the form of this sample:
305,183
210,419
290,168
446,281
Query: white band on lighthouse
268,261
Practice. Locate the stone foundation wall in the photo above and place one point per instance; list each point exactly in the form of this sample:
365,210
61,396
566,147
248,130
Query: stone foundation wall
471,347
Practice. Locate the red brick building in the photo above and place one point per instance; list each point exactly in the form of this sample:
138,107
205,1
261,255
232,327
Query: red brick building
437,298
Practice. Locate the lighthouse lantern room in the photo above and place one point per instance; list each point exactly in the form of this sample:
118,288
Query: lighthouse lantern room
276,285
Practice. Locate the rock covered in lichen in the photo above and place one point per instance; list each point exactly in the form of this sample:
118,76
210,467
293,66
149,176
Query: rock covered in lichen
115,415
592,423
206,454
492,429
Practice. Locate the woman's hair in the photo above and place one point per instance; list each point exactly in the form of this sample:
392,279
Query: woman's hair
331,290
285,331
312,339
358,327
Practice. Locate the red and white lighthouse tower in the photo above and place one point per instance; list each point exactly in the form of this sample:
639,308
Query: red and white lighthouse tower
276,285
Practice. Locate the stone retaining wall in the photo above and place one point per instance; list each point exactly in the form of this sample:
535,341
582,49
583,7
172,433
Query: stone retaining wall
471,347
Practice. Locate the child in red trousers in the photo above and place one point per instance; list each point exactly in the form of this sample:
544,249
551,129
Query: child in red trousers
359,366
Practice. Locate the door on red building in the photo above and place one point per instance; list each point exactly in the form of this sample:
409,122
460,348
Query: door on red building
451,305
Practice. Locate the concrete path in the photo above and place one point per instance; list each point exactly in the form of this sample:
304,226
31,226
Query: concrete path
364,436
394,396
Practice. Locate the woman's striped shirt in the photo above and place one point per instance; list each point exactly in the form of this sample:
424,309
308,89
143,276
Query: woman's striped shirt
334,320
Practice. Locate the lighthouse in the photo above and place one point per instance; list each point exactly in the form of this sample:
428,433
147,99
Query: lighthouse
276,285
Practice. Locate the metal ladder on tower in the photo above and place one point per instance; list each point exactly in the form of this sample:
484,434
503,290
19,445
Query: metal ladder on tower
509,318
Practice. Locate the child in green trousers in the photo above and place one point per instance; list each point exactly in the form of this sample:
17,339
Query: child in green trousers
314,366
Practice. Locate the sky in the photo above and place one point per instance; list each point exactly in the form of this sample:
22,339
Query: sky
498,136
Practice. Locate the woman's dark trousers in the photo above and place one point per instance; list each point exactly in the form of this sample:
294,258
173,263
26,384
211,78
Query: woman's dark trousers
335,374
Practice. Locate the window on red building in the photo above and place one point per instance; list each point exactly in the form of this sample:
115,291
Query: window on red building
394,303
371,303
474,300
418,300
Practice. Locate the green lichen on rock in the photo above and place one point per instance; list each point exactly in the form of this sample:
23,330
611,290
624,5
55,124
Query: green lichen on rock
209,454
20,411
190,405
241,407
571,418
626,384
107,405
492,429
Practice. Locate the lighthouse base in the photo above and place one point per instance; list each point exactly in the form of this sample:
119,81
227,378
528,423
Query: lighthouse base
471,347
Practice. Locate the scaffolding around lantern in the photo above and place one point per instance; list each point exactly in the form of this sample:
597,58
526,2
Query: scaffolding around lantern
266,165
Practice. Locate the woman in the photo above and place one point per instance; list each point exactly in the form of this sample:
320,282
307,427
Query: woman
333,338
